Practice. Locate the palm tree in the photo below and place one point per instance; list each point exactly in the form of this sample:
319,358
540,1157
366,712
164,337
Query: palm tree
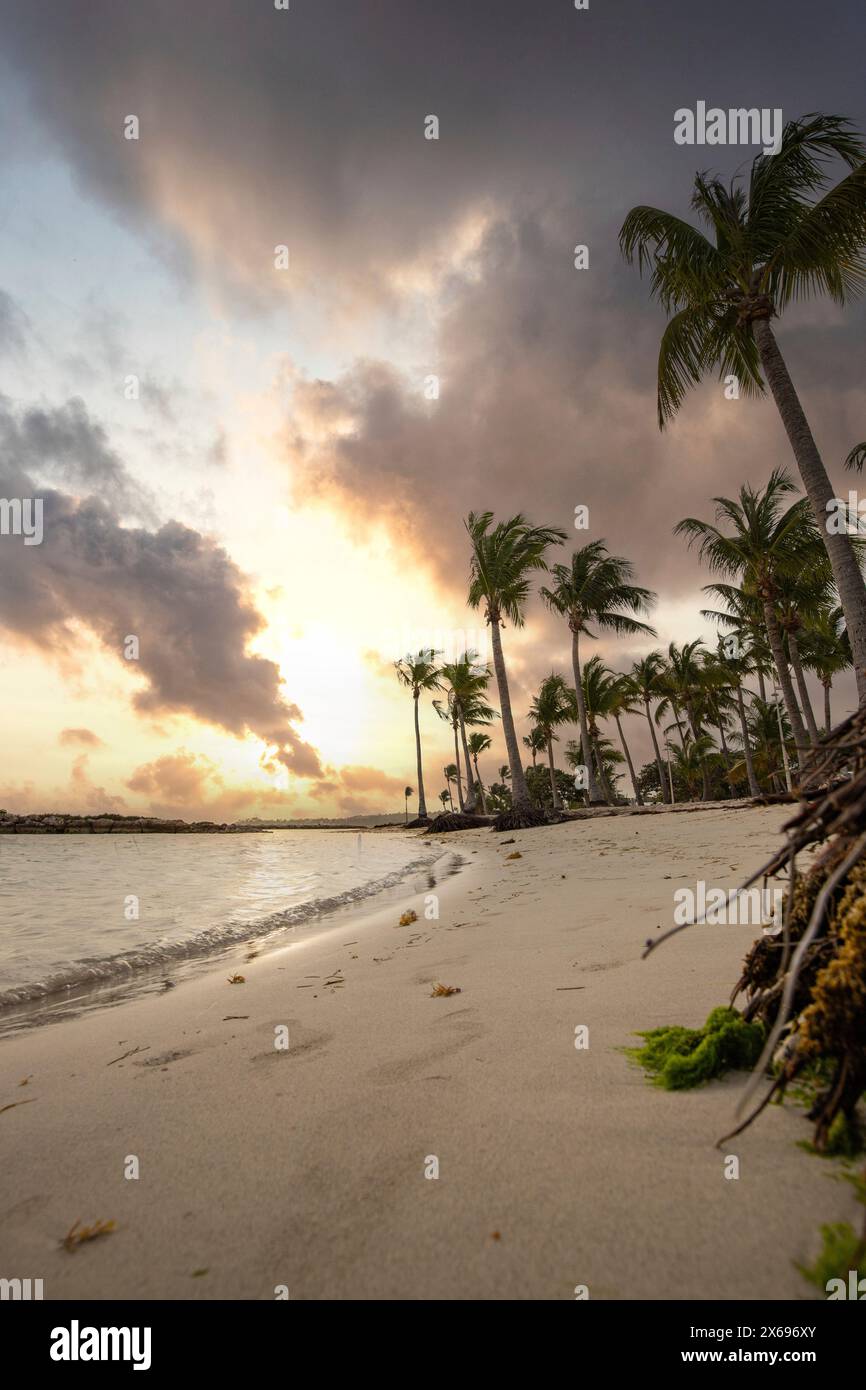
684,683
502,560
645,678
826,651
419,672
690,761
478,744
407,792
769,546
624,699
736,665
553,705
595,589
775,243
743,618
445,797
505,772
467,683
534,741
597,681
452,774
765,719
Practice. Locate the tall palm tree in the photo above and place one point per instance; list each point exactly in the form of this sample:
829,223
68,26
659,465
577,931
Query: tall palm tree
452,774
785,238
419,672
553,705
445,797
595,590
826,651
503,558
534,741
478,744
624,699
407,792
645,677
743,619
769,545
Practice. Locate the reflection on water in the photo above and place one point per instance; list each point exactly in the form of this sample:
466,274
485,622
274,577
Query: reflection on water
80,910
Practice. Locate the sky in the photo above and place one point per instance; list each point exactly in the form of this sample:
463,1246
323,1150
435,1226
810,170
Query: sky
240,460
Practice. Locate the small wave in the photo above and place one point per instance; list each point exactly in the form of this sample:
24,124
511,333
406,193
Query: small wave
129,964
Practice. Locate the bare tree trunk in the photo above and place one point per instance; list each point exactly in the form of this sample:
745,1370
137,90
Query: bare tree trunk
805,702
457,765
556,801
637,796
774,633
422,804
470,786
846,571
662,784
762,687
520,799
754,787
596,794
827,685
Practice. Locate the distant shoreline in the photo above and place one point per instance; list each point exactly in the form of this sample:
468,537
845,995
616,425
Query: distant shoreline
66,823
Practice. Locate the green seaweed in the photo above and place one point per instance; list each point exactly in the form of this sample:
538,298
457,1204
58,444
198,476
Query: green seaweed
841,1251
679,1058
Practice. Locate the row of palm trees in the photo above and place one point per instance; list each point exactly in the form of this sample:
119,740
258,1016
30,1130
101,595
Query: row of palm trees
777,610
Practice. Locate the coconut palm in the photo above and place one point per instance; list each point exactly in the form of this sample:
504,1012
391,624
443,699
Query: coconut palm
445,797
534,741
743,619
826,651
597,681
419,672
784,238
768,546
736,664
684,683
690,761
595,590
407,792
553,705
645,676
467,683
452,774
504,557
624,699
479,743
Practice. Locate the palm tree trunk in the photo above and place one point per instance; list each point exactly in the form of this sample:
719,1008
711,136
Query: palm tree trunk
637,796
480,787
457,765
595,792
676,714
762,687
422,804
754,787
520,800
846,571
827,685
663,785
805,702
553,788
470,786
774,633
607,793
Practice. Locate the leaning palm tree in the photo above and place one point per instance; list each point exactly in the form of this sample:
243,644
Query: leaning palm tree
553,705
785,238
595,591
645,676
479,743
503,558
826,651
768,546
419,672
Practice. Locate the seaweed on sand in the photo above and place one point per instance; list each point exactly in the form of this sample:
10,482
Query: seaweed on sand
679,1058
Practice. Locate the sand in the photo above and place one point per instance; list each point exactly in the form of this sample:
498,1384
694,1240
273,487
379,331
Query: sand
305,1168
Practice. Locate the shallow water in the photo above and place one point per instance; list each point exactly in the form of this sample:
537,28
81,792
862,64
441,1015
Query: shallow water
68,902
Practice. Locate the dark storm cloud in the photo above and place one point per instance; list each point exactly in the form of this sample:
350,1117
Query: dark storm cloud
175,590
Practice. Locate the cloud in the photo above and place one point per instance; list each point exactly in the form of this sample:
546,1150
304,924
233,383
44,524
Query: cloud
173,588
84,737
14,327
188,786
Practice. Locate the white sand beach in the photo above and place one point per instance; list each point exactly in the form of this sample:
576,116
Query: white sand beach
305,1167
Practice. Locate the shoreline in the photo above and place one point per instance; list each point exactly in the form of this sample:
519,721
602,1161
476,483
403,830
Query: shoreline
306,1167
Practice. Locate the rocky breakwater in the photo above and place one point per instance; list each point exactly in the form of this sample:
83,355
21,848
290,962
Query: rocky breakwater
52,824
